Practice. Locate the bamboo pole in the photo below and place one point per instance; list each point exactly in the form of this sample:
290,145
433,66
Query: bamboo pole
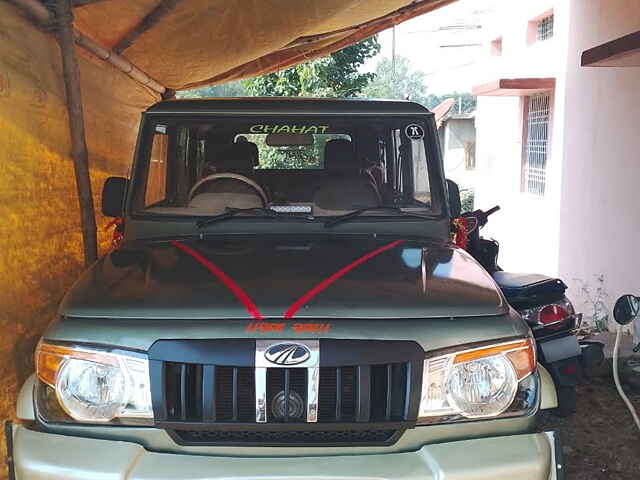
147,23
44,17
71,70
117,61
37,10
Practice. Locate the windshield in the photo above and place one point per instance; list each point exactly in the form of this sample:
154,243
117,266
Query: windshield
311,167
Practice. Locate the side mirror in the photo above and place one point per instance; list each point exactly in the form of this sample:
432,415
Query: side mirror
626,309
114,192
455,206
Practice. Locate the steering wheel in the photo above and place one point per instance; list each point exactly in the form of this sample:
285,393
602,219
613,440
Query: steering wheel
229,176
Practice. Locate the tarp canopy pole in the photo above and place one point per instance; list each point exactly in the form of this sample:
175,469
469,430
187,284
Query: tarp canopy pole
71,70
150,20
117,61
37,10
67,38
45,18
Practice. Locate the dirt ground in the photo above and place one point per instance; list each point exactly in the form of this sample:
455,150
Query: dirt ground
600,441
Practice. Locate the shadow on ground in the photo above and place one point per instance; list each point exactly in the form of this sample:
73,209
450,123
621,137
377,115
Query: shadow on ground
600,441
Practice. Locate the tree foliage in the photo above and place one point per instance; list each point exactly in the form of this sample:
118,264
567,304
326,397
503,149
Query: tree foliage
231,89
400,84
336,75
405,83
467,101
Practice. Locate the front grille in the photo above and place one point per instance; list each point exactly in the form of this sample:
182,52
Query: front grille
204,392
188,399
339,390
285,437
279,381
233,398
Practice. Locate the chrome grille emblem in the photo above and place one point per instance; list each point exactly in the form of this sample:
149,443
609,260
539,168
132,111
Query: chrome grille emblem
295,405
274,354
286,354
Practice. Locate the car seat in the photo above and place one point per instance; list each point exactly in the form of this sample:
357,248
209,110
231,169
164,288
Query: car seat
346,187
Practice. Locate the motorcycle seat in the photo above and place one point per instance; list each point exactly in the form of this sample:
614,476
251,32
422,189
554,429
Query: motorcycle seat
525,289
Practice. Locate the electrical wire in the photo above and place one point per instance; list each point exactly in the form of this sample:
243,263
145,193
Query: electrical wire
616,378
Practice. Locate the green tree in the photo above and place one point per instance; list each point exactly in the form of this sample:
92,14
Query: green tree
467,101
400,84
231,89
336,75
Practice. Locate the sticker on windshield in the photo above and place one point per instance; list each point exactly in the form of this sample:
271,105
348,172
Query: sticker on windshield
302,129
414,132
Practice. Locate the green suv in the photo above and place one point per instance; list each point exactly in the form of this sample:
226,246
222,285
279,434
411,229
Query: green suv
285,302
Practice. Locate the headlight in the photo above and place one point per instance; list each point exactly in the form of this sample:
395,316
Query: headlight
481,382
93,385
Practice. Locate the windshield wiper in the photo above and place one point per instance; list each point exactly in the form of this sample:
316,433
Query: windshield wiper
231,212
356,213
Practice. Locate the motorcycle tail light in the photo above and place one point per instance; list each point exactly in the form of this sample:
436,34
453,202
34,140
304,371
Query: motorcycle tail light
553,315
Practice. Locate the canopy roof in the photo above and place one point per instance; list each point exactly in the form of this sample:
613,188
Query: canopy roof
188,43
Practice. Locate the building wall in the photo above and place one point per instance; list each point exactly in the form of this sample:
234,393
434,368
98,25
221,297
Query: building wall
600,205
40,245
457,134
527,226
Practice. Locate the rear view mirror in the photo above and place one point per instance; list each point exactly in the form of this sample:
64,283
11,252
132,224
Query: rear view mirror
289,140
114,192
626,309
455,206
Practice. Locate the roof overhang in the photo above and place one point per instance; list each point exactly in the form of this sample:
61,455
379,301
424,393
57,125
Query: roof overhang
514,87
621,52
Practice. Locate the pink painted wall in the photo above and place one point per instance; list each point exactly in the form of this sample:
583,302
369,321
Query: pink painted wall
600,195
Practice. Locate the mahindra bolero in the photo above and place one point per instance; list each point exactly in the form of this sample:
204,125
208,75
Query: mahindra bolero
285,301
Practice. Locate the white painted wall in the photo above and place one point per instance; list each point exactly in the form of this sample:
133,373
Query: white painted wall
600,202
527,227
586,226
457,132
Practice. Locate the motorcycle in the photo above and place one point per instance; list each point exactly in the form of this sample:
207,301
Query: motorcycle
542,303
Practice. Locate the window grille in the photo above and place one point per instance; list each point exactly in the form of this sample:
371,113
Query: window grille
470,155
537,146
545,28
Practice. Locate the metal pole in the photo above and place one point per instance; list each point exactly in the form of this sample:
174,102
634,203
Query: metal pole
393,53
71,70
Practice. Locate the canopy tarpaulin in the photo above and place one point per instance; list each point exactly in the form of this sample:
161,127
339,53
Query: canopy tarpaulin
41,244
189,43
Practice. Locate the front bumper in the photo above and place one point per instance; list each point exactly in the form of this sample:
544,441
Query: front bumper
38,455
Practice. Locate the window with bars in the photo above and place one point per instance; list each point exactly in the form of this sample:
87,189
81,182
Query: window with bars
544,29
470,155
536,149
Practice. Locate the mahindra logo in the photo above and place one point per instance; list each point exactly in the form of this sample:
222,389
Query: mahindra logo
287,354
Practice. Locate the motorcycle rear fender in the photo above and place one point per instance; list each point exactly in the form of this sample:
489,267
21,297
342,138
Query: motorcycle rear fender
548,394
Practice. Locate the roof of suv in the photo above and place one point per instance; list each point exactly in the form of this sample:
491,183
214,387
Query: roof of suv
288,105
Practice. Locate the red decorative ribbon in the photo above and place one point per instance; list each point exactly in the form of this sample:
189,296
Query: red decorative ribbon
461,229
248,303
118,231
340,273
223,277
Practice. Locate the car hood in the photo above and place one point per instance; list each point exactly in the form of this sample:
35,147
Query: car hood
254,278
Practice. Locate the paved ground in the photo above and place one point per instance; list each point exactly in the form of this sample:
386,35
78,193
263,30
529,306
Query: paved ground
600,441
